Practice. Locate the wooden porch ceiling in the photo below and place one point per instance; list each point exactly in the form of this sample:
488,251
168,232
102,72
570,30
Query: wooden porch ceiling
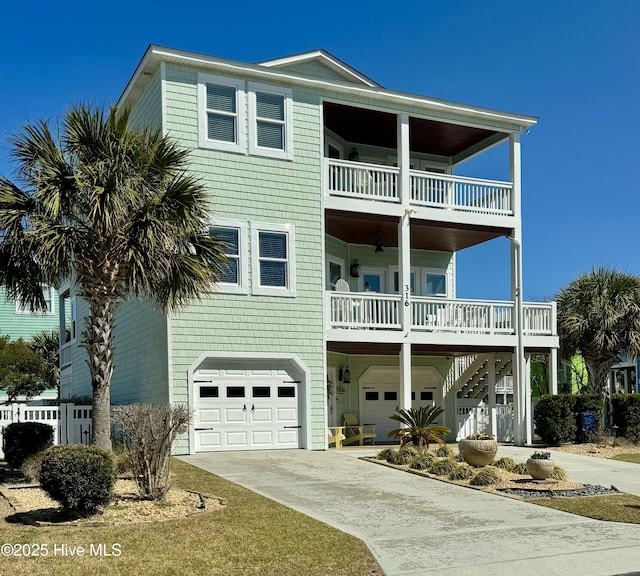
375,128
389,349
358,228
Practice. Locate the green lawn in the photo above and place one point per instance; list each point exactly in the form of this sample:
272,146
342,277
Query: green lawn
250,536
635,458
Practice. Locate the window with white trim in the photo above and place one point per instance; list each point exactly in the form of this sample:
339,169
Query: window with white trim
47,293
67,304
270,121
435,284
234,272
273,260
221,113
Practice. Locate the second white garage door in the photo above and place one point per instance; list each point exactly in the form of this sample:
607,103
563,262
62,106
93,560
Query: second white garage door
246,409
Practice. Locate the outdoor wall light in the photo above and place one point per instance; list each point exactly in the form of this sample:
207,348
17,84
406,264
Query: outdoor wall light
355,269
344,375
378,244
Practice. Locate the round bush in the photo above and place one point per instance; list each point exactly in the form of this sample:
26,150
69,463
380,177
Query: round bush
443,467
385,454
423,461
486,477
444,452
461,473
23,439
31,467
80,478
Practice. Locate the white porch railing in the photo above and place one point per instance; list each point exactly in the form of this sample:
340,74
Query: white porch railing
461,193
362,180
371,310
467,316
363,310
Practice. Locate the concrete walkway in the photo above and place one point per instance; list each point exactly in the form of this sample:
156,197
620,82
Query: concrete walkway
416,526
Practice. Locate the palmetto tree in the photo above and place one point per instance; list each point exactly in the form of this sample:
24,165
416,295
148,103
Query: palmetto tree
114,211
599,316
419,428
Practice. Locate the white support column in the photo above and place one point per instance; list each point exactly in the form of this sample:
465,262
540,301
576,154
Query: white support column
404,400
553,371
527,401
522,417
493,420
404,159
404,226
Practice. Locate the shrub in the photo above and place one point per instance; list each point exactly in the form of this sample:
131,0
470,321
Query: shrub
444,452
386,454
79,477
486,477
559,474
31,467
23,439
458,457
520,468
443,467
505,463
147,432
405,455
626,415
555,419
461,473
423,461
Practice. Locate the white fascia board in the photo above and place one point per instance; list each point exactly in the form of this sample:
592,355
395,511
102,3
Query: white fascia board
477,116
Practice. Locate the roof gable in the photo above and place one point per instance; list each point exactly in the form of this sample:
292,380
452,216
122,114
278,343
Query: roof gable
320,64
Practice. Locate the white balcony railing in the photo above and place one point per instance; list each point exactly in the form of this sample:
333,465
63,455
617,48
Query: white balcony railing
464,316
366,310
362,180
376,182
461,193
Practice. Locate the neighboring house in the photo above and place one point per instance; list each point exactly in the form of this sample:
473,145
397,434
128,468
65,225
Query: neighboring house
16,321
624,376
343,215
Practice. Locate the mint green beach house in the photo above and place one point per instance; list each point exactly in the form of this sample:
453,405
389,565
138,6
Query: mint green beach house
343,215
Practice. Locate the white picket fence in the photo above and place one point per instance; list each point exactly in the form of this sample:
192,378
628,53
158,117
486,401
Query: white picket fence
71,423
473,416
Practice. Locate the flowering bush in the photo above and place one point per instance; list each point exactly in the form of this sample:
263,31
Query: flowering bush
479,436
540,455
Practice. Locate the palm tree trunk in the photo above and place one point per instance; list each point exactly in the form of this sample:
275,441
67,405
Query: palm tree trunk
99,343
598,375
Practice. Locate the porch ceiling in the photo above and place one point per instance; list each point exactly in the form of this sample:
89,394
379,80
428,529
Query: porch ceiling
375,128
389,349
357,228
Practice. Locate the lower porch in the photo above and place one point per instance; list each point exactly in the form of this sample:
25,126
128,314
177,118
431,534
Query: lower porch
478,389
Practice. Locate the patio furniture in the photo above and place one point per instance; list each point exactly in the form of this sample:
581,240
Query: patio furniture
357,433
335,435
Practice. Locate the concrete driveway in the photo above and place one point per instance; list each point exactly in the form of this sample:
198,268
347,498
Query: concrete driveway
416,526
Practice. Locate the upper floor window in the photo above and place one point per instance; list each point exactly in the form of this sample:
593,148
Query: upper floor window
227,105
47,292
234,272
68,316
435,284
221,113
273,260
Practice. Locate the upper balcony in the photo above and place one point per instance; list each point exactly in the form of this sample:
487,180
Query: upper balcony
460,196
382,163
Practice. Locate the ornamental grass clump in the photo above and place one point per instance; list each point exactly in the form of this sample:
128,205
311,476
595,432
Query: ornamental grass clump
386,454
443,467
520,468
559,474
444,452
463,472
505,463
423,461
404,455
486,477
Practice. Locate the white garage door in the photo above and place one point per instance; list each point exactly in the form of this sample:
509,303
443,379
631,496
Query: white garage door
246,409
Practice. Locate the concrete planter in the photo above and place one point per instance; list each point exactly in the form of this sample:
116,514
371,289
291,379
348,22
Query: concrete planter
540,468
477,452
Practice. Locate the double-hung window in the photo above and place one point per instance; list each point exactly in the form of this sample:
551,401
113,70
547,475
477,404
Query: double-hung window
270,121
435,284
221,113
47,293
273,261
234,272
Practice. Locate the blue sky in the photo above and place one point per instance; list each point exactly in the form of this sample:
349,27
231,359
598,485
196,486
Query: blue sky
575,64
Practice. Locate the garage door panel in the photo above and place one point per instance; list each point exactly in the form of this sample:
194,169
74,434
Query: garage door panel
249,404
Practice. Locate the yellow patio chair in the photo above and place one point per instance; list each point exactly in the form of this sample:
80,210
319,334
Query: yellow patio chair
357,433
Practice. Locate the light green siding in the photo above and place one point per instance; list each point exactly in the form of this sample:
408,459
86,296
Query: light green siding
257,190
19,325
316,69
147,112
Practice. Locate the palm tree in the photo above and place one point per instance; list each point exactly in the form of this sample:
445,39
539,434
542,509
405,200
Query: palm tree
46,344
114,211
419,428
599,317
